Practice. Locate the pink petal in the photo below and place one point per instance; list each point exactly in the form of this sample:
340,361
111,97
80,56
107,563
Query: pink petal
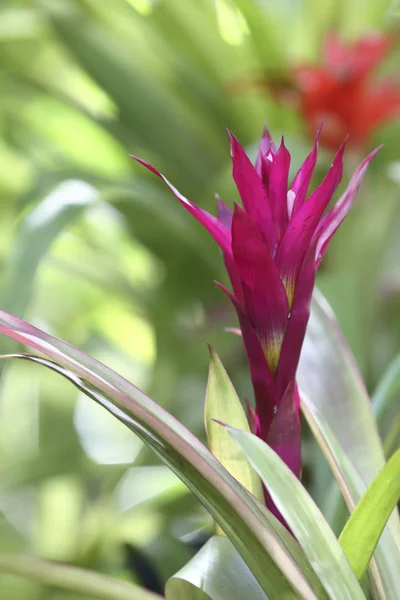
261,377
284,435
217,229
331,221
302,179
253,194
277,187
264,296
266,146
297,323
225,213
301,228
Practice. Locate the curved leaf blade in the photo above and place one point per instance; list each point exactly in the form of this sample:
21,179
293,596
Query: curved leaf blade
217,572
329,376
361,534
222,403
227,501
384,568
330,383
303,516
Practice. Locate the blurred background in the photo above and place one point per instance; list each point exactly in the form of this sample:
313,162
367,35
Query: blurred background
95,250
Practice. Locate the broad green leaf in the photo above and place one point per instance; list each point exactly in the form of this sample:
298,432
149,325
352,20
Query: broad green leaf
226,500
217,572
365,525
37,230
73,579
384,569
223,404
303,517
330,383
296,552
329,377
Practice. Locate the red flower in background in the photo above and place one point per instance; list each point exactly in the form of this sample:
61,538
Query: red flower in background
341,91
272,247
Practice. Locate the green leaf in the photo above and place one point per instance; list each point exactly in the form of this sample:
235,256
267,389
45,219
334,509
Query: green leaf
222,403
385,569
336,391
73,579
217,572
303,517
226,500
328,376
36,232
361,534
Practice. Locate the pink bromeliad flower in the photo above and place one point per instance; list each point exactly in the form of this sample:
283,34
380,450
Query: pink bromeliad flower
272,247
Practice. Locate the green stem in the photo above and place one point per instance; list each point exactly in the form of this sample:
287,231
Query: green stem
73,579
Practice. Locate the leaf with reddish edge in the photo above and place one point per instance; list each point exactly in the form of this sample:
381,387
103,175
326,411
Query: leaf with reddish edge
264,296
333,218
261,377
225,499
213,225
266,146
303,178
277,187
253,194
301,228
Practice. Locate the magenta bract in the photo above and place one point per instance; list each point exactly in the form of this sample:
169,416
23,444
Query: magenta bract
272,247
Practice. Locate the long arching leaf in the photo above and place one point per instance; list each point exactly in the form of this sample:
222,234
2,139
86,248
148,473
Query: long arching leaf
228,503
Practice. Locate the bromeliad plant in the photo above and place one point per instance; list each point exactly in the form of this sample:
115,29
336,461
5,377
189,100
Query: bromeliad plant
272,247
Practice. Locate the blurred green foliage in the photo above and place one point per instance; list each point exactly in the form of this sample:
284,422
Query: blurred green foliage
98,252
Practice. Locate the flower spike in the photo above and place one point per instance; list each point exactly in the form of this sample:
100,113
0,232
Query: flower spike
272,247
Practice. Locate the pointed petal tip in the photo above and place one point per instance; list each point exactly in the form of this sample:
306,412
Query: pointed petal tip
224,289
231,135
233,330
238,210
318,134
375,152
234,143
143,162
266,130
